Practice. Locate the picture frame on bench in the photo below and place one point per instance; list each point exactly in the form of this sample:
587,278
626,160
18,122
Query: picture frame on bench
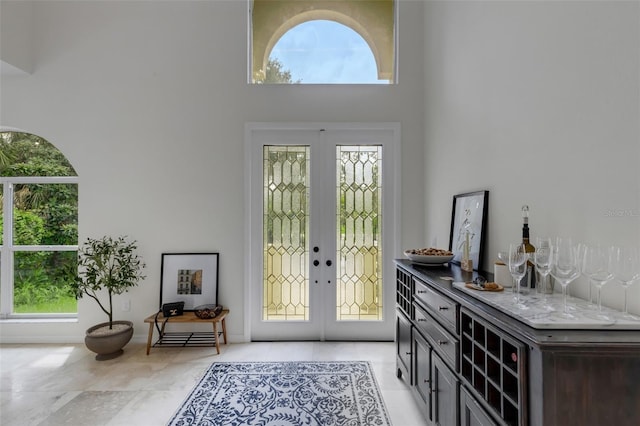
189,277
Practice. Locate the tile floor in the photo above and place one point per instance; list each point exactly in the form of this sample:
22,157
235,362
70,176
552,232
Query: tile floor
64,385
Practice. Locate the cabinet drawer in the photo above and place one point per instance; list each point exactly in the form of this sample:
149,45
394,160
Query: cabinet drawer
442,341
442,307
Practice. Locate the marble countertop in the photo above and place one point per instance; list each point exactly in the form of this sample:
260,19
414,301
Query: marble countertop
543,313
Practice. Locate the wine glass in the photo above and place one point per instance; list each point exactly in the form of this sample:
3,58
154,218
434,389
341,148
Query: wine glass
626,269
518,268
564,268
542,260
504,257
597,266
580,253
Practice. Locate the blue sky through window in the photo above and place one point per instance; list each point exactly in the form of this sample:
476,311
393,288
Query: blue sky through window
320,52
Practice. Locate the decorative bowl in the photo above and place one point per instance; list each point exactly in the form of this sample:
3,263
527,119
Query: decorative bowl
207,311
428,259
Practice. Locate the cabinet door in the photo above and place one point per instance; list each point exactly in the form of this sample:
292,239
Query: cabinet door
471,413
444,389
403,347
422,372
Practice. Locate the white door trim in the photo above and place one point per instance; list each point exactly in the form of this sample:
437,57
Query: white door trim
391,214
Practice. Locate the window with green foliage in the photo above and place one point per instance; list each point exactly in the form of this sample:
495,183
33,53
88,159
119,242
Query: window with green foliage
38,227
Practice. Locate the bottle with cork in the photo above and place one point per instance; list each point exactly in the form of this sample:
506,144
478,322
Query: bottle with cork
529,280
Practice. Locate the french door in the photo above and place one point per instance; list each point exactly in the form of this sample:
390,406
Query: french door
321,230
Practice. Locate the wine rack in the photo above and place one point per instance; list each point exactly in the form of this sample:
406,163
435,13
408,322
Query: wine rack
494,367
404,292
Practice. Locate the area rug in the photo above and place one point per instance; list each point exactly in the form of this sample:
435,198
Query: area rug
285,394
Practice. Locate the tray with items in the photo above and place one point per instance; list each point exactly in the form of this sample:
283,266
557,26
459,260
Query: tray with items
429,256
484,287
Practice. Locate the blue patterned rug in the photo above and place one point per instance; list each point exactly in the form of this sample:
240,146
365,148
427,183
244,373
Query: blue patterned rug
285,394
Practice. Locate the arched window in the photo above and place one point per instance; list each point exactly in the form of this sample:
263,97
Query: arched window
322,41
38,227
345,56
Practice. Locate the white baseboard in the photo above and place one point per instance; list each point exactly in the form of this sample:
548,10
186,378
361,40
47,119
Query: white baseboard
137,338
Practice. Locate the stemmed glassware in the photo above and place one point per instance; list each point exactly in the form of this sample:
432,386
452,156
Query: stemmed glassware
580,253
597,266
625,266
564,267
504,257
518,268
542,259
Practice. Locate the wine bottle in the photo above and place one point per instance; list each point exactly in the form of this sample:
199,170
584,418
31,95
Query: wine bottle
529,280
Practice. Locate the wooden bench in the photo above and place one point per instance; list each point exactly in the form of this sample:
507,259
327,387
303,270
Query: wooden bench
189,338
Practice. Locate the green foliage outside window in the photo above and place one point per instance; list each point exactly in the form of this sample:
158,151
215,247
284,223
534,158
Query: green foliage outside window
44,214
275,73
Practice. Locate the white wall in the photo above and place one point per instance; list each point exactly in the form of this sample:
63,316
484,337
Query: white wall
148,100
16,51
538,102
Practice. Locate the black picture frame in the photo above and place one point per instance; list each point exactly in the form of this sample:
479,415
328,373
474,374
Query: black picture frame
469,212
191,278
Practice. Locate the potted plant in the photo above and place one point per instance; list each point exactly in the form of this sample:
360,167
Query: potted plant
111,265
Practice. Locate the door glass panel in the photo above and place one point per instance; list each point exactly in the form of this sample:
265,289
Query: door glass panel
286,227
359,216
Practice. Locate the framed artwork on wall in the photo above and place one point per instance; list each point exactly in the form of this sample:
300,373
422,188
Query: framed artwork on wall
189,277
468,224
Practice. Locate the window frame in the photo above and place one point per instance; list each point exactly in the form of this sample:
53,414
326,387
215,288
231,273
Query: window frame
8,248
376,43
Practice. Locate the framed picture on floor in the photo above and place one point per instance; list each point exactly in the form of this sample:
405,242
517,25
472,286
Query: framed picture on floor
191,278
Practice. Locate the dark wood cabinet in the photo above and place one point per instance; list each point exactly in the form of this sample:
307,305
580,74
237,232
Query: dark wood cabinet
469,363
427,366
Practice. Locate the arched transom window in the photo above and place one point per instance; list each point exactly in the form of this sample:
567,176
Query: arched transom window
322,41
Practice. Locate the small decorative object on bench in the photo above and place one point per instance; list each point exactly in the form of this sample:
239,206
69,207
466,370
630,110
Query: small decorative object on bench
207,311
168,310
172,309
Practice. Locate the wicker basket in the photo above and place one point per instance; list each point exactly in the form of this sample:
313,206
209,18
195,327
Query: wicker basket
207,311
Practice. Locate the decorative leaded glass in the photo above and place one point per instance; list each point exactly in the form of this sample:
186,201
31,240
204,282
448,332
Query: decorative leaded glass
285,227
359,216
